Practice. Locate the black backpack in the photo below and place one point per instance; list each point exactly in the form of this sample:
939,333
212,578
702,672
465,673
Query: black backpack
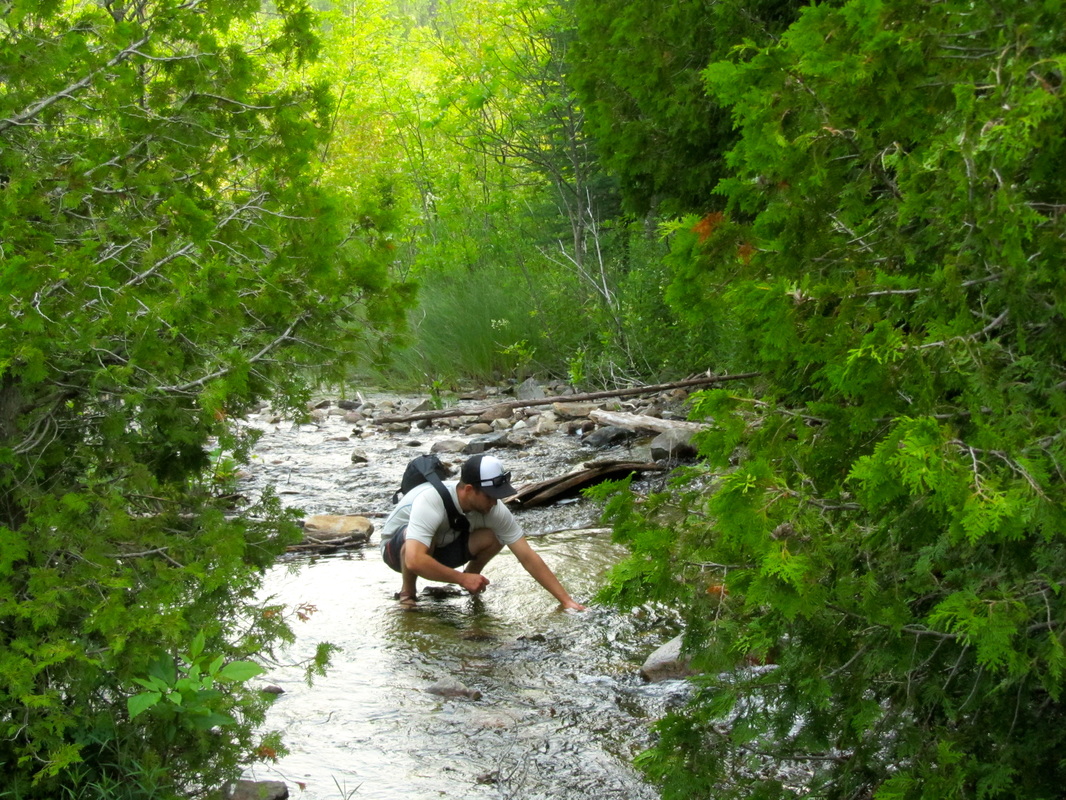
429,469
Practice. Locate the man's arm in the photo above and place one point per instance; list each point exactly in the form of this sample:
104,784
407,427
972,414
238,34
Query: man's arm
417,559
542,574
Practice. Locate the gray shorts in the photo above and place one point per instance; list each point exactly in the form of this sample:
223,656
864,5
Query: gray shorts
454,554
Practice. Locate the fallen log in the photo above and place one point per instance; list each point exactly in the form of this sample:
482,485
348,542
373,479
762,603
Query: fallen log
548,491
456,411
642,422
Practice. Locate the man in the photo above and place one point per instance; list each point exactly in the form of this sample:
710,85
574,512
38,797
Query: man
418,541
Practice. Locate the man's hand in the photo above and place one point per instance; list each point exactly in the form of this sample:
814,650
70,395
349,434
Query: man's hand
573,605
472,582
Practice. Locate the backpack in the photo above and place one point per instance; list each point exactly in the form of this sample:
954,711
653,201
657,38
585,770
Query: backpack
429,469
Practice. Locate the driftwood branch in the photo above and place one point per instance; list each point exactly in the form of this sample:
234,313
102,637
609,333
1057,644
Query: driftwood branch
458,411
642,422
548,491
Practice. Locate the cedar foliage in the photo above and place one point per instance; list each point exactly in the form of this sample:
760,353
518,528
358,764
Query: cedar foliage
880,517
167,258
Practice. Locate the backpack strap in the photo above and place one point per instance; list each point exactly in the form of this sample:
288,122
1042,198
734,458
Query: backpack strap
456,519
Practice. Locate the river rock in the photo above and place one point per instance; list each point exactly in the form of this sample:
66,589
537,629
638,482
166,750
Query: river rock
492,441
502,424
673,444
574,410
495,412
606,436
328,528
478,429
448,446
359,456
348,405
546,423
256,790
666,662
352,417
450,687
529,389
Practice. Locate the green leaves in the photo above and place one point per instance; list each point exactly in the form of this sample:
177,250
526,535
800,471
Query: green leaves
888,497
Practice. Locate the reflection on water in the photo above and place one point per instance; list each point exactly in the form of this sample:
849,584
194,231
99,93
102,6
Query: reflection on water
562,710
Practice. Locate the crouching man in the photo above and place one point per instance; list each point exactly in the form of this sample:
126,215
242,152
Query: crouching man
418,541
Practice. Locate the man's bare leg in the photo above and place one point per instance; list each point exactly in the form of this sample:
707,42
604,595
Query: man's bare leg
484,546
408,593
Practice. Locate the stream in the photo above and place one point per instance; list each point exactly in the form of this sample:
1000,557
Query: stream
562,709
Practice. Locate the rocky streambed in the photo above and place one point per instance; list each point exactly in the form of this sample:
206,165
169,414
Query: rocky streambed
501,695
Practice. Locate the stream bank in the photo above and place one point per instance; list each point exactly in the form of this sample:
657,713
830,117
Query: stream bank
561,709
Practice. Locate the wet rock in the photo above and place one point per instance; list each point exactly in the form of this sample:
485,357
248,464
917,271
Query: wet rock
478,429
321,404
448,446
501,424
666,663
360,456
606,436
450,687
492,441
673,444
272,689
348,405
397,427
334,528
352,417
256,790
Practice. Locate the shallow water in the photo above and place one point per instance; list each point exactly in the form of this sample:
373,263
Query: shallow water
562,708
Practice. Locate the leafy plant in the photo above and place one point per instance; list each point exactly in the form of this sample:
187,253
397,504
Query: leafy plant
869,553
186,689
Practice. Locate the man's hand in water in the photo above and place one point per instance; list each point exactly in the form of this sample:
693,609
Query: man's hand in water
472,582
573,605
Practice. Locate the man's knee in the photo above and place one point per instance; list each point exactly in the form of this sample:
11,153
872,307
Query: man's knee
483,542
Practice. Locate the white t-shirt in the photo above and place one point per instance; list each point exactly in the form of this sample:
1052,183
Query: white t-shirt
422,511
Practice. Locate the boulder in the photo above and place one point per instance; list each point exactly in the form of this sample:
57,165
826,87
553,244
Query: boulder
606,436
666,662
529,389
334,528
448,446
359,456
574,410
450,687
673,444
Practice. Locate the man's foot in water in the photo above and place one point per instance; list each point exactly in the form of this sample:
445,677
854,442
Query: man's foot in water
406,598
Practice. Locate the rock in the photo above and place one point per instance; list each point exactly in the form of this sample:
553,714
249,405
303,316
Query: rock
529,389
666,662
606,436
319,405
492,441
450,687
397,427
501,424
673,444
272,689
478,429
352,417
574,410
496,412
416,408
448,446
328,528
348,405
256,790
546,423
359,456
